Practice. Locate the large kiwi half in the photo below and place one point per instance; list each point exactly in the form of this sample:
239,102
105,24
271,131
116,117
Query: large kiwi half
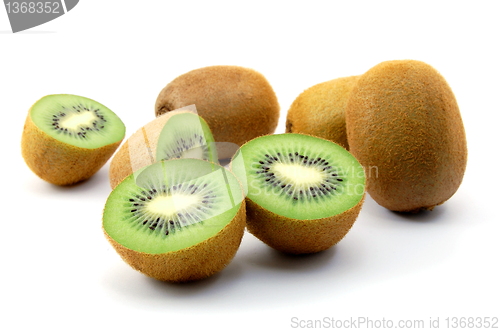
68,138
303,192
178,134
176,220
238,103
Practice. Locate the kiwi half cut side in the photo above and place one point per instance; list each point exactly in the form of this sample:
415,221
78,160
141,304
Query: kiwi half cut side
176,220
68,138
303,193
186,135
178,134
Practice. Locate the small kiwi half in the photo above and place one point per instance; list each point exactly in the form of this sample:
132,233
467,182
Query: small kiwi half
68,138
320,110
178,134
176,220
186,135
303,192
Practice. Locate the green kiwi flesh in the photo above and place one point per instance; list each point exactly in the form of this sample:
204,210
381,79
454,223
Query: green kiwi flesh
186,135
301,176
77,121
176,220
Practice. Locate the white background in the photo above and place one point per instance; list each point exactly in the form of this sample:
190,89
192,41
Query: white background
58,271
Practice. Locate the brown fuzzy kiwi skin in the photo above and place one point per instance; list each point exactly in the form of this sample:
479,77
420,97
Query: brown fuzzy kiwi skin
194,263
120,166
404,126
142,146
294,236
60,163
237,103
320,110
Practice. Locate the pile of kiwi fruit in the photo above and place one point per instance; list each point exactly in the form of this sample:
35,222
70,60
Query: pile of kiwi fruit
209,165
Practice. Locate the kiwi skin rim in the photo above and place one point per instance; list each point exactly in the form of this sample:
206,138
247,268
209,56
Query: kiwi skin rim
294,236
60,163
194,263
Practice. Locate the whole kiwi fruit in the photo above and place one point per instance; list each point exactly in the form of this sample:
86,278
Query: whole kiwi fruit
404,126
320,110
238,103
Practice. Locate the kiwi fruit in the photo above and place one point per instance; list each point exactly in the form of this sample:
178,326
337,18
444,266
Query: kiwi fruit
303,193
178,134
176,220
68,138
404,125
238,103
320,110
186,135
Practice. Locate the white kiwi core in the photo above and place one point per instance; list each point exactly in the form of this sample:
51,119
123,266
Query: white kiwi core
298,174
169,205
78,120
194,153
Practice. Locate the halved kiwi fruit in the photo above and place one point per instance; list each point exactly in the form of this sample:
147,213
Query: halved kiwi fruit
176,220
68,138
303,192
186,135
178,134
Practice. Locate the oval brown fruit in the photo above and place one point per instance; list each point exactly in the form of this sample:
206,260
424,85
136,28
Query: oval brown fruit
238,103
404,126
